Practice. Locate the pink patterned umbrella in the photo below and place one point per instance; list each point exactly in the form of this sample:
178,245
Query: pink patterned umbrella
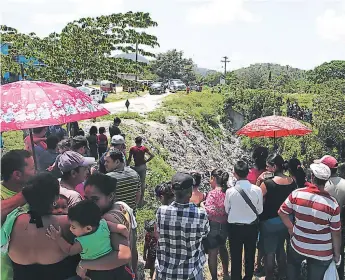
274,126
30,104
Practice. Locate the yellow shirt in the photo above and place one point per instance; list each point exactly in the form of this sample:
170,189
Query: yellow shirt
6,264
5,193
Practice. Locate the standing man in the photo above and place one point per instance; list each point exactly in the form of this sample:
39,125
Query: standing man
181,227
335,186
80,145
114,127
49,156
127,188
316,232
117,142
138,153
17,167
58,131
243,221
74,168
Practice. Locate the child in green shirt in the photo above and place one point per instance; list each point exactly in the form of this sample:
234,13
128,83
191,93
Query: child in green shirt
91,231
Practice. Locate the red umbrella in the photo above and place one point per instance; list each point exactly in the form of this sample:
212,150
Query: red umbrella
274,126
30,104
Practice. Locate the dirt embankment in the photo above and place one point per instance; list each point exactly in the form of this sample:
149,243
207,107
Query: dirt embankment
187,147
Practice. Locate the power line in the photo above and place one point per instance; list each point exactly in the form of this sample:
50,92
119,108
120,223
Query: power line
225,61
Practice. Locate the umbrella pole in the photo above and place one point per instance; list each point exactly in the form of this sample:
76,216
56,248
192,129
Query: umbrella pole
274,142
33,148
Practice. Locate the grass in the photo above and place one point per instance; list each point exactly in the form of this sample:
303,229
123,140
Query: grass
114,97
204,107
158,171
121,115
13,140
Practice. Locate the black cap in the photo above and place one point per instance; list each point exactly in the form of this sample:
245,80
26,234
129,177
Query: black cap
182,181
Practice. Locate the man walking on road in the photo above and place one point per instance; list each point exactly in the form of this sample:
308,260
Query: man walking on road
316,232
138,153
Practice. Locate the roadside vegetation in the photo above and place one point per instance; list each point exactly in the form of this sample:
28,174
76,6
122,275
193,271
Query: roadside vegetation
114,97
321,90
205,108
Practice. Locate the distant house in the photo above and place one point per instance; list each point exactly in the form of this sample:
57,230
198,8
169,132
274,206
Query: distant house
126,76
20,59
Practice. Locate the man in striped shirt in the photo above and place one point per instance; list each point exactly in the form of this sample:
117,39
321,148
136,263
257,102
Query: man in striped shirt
315,234
127,189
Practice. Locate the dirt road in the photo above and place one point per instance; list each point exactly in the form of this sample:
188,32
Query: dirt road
142,104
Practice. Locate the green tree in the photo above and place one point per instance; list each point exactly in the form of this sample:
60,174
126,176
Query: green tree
213,78
329,117
328,71
172,65
84,47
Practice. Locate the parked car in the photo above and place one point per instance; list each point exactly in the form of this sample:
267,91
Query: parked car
197,88
87,83
177,85
96,94
157,88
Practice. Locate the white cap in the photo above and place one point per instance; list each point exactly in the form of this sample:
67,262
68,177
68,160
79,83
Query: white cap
117,140
320,171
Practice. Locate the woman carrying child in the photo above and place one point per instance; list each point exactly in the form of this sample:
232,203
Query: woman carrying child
92,233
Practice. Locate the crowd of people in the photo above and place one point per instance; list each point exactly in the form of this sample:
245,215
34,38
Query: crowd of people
76,217
297,112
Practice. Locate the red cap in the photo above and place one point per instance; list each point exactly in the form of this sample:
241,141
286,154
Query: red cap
330,161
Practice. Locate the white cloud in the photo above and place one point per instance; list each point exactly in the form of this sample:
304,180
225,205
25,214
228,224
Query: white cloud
214,12
46,16
331,24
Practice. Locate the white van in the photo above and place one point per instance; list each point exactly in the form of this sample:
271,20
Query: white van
94,93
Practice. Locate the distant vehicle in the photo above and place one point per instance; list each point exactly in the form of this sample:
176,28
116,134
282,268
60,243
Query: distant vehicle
197,88
146,83
96,94
177,85
87,83
106,86
157,88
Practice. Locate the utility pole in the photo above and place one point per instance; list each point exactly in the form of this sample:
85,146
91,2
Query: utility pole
225,61
136,68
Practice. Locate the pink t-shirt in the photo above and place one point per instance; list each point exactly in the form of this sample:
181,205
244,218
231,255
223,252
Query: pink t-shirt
253,175
214,206
80,189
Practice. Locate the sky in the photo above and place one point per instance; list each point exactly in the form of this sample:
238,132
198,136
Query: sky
299,33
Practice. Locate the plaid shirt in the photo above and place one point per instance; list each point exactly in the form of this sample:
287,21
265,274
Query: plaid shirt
181,228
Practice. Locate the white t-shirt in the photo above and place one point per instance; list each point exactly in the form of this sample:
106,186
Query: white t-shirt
335,186
237,208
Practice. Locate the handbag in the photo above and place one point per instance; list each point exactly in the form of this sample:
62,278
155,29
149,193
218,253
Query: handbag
249,203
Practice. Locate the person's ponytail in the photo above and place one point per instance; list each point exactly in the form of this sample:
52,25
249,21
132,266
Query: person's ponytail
224,181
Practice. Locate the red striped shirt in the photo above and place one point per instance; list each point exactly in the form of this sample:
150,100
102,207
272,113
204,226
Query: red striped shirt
316,215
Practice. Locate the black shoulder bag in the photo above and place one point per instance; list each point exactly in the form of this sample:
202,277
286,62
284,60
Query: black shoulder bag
249,202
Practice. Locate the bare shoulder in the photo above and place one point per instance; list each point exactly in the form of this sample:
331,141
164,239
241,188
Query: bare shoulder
22,219
63,222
